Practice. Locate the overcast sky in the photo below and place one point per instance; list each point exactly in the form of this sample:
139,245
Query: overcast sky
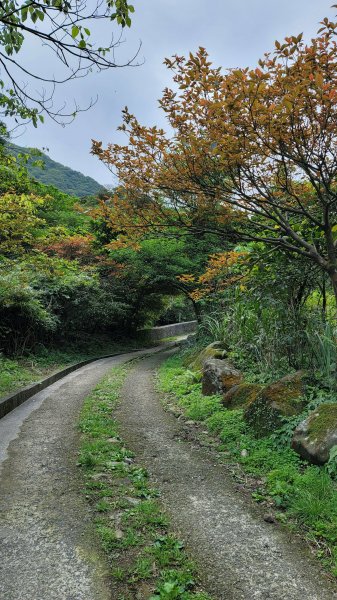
235,33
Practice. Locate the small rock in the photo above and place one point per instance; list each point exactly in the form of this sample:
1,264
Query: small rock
113,440
244,453
268,518
119,534
133,501
190,423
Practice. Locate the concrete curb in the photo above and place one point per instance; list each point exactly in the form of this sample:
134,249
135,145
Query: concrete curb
8,403
12,401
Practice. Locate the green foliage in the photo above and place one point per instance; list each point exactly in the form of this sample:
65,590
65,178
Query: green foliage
331,466
304,494
280,318
52,173
314,498
141,548
65,24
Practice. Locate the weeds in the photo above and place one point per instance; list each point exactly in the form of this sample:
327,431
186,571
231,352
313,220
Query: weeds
133,530
303,496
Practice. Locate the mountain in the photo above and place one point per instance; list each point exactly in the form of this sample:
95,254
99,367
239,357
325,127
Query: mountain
53,173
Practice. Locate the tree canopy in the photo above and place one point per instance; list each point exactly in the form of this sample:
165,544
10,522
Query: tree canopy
253,152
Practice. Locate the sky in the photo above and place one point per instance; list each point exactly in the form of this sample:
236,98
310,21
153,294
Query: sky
235,34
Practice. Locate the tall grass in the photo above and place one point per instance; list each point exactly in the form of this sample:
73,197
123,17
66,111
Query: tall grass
273,339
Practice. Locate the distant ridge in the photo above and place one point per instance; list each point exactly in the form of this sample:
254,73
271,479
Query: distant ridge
65,179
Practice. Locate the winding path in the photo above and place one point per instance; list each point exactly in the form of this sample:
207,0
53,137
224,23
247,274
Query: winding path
46,536
241,556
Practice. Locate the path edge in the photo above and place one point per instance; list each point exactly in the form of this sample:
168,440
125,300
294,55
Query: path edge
12,401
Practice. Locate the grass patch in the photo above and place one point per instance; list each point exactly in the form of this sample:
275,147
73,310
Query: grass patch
303,496
146,559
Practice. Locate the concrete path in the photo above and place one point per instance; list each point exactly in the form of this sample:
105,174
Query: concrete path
240,556
46,538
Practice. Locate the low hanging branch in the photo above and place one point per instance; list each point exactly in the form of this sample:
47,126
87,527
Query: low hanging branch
64,27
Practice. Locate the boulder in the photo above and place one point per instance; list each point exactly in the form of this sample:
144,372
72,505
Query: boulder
314,437
219,376
241,395
214,350
281,399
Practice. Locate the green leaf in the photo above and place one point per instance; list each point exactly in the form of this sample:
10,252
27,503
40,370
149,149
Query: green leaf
75,31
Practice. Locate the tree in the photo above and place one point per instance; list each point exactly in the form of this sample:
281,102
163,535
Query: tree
18,220
253,152
63,27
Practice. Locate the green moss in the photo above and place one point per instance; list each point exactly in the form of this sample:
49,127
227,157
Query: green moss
306,495
324,419
241,394
277,401
287,392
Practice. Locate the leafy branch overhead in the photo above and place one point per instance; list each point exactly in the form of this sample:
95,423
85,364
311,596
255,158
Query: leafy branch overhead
65,28
253,154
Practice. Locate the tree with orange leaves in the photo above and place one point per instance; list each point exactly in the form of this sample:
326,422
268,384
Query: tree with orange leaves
253,152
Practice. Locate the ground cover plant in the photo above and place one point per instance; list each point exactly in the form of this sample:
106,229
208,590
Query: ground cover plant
304,497
145,557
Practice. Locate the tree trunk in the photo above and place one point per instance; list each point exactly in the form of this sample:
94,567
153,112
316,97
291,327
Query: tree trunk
197,309
333,278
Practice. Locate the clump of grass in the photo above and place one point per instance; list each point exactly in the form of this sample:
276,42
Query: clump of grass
306,496
134,531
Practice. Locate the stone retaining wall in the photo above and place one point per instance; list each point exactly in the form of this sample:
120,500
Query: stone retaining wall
173,330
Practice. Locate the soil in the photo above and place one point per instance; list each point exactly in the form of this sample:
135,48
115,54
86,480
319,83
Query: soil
48,548
240,555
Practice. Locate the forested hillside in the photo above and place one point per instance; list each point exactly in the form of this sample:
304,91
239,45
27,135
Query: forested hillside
48,171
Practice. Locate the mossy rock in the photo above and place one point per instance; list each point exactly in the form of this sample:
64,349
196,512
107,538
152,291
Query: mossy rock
314,437
214,350
241,395
281,399
219,376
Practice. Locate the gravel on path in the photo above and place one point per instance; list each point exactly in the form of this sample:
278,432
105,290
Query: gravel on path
241,557
47,542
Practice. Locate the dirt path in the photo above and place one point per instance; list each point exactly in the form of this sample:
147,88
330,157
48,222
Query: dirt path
241,557
47,546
